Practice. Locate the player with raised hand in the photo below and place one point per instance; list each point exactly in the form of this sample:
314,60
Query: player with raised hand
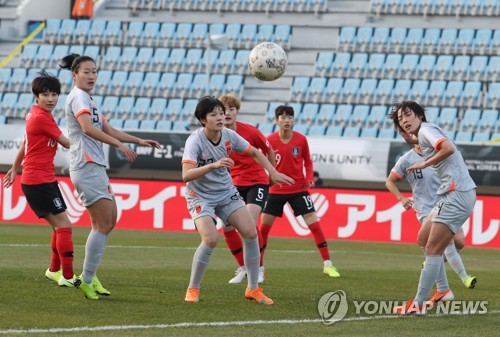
292,155
210,193
456,193
250,179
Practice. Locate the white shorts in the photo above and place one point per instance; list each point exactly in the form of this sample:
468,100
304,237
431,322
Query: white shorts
454,208
198,207
91,183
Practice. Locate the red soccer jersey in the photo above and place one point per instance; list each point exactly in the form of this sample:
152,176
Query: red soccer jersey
246,171
41,137
291,159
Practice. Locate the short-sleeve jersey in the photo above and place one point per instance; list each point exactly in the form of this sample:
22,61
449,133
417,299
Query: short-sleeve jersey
452,171
41,137
424,182
200,151
246,171
83,148
291,159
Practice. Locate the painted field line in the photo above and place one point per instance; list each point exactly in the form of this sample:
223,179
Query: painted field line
220,324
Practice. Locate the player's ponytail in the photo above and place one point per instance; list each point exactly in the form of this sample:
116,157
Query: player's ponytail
72,61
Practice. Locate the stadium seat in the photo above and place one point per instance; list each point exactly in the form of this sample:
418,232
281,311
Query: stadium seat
351,132
430,40
425,66
333,90
493,68
447,41
493,95
147,125
118,82
80,34
199,85
357,65
482,42
192,60
480,137
43,56
432,114
240,64
143,60
317,130
109,105
125,107
465,40
316,89
8,104
216,85
374,65
116,123
131,124
443,67
436,92
225,61
199,34
216,28
477,68
176,59
380,39
460,67
173,110
350,90
391,65
342,115
92,51
134,33
325,114
264,33
488,120
369,133
453,92
309,113
386,134
101,85
471,94
447,119
377,117
96,32
17,79
24,103
383,91
58,53
234,85
363,38
340,65
159,59
414,39
141,108
163,125
149,36
97,99
187,112
282,34
408,66
397,38
30,76
233,34
360,115
346,39
180,126
28,54
470,120
301,128
366,91
401,90
113,32
110,60
463,136
182,35
166,34
66,31
324,63
266,128
334,131
157,108
51,30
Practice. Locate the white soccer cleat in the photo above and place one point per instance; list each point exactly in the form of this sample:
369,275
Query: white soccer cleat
240,273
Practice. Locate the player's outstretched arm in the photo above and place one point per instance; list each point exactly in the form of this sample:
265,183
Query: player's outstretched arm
190,172
10,176
274,175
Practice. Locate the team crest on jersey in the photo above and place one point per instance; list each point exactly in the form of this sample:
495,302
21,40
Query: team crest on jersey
229,147
295,151
198,209
57,203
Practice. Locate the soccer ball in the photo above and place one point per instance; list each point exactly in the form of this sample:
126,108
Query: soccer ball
267,61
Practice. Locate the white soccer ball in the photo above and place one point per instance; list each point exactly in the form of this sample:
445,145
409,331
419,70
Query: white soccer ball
267,61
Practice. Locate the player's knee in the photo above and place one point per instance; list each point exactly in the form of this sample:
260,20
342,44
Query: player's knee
210,241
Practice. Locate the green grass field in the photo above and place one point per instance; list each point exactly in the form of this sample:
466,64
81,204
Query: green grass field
148,272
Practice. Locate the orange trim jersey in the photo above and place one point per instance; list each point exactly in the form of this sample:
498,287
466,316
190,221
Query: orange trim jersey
84,149
246,171
41,137
291,159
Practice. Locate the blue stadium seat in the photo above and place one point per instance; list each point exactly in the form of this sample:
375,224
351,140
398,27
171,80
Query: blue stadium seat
17,79
380,39
401,90
346,39
97,99
233,34
109,105
374,65
92,51
477,68
125,107
366,91
147,125
430,40
436,92
488,120
166,34
28,54
471,94
264,33
341,64
386,134
266,128
51,30
363,38
44,55
493,68
149,36
309,113
297,108
357,65
176,59
495,41
447,118
131,124
141,108
66,31
58,111
240,64
134,33
101,85
182,35
324,63
248,35
447,41
425,66
160,59
225,61
112,34
460,67
463,136
470,120
360,115
8,104
316,89
419,90
351,132
408,66
157,108
443,66
369,133
465,40
127,58
453,92
414,39
187,112
234,84
3,119
192,60
391,66
96,32
199,34
383,91
183,84
377,117
164,125
350,89
58,53
214,56
118,82
482,40
432,114
270,115
397,38
325,114
143,60
116,123
24,102
80,34
62,122
301,128
333,90
180,126
480,137
216,28
110,60
30,76
493,95
342,115
334,131
282,34
317,130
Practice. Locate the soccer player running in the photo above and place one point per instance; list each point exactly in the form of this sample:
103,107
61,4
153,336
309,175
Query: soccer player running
250,179
88,130
292,155
457,197
38,181
424,184
210,192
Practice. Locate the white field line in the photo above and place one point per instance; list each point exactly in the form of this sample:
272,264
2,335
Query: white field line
222,324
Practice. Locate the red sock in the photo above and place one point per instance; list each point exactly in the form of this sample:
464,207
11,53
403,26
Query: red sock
319,239
264,234
235,245
65,248
261,245
55,262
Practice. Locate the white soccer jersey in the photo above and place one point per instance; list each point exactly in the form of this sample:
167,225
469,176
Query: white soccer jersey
452,171
83,148
199,151
424,182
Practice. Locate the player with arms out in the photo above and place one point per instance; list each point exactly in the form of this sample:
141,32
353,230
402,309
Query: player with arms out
424,184
88,130
292,155
38,181
250,179
210,193
456,199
